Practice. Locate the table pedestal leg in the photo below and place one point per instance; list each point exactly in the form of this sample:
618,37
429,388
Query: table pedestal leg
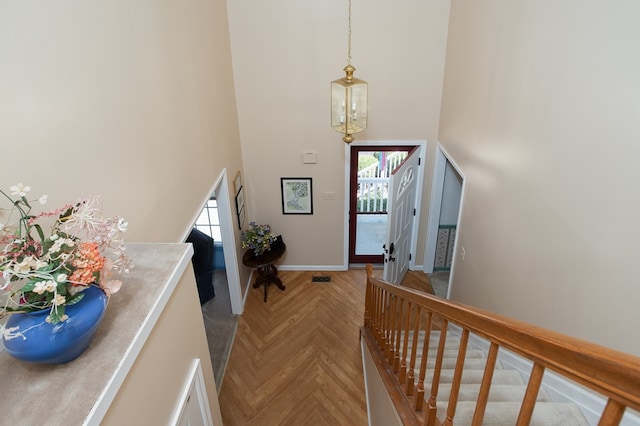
267,275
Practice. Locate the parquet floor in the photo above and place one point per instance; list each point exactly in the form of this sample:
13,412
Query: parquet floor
296,359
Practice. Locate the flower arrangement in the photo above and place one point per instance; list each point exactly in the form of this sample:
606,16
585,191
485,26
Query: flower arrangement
258,238
50,271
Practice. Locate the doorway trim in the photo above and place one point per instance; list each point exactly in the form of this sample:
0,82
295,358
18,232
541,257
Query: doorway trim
441,159
220,190
352,206
422,144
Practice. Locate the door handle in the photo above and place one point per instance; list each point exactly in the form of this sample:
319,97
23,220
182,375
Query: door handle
391,248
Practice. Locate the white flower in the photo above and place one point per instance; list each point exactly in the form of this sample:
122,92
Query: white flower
59,242
57,245
59,300
122,225
42,286
38,263
20,189
43,200
61,278
24,266
39,287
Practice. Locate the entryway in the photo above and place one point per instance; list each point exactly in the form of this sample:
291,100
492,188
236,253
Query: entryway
370,169
220,314
445,211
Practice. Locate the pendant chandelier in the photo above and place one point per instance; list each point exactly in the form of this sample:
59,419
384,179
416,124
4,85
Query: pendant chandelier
349,99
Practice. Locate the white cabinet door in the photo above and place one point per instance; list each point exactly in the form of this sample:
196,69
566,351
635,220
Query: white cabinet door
194,410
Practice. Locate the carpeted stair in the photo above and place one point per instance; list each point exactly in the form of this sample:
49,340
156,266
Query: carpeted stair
506,395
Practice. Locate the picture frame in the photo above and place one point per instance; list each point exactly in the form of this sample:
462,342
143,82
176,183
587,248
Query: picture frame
240,200
237,183
297,195
241,218
240,210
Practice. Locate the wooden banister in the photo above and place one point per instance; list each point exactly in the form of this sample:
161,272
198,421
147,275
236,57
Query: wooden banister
526,412
396,316
483,395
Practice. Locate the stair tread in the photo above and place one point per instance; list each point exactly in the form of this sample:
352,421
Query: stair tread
497,392
469,363
505,377
453,353
506,393
506,413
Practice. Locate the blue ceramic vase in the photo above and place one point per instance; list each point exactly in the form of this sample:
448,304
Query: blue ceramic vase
59,343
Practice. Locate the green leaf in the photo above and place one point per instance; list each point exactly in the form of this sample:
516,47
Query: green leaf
48,267
29,286
75,299
40,233
56,315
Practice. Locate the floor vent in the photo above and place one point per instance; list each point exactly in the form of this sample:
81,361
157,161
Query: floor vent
321,279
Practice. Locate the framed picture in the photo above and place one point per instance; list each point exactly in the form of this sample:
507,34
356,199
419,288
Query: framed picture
241,218
237,183
240,200
296,196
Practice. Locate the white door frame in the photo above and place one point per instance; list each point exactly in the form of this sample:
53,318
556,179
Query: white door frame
221,189
422,145
439,168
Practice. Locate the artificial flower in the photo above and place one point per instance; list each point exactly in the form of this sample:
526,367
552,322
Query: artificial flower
43,270
258,238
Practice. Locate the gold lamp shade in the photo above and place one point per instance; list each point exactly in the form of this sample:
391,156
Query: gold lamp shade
349,104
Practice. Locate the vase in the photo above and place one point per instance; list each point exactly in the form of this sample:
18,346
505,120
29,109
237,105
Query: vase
46,343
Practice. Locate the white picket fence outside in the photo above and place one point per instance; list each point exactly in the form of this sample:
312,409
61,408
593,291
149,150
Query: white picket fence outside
371,193
373,184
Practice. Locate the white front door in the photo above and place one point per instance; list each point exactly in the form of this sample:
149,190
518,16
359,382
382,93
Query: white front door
401,214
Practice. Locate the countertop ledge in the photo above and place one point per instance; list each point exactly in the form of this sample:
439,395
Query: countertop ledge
81,391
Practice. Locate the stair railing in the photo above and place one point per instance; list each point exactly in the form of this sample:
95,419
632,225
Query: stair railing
395,316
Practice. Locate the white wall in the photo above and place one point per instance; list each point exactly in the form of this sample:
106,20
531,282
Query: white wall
541,110
285,54
130,100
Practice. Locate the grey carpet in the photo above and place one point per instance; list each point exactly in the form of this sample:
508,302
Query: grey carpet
220,325
440,283
507,389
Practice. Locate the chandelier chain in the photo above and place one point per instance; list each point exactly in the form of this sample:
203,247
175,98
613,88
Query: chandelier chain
349,37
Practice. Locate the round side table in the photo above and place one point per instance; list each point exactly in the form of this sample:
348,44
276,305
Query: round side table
265,265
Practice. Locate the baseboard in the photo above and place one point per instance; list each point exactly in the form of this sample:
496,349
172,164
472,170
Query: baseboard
312,268
334,267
